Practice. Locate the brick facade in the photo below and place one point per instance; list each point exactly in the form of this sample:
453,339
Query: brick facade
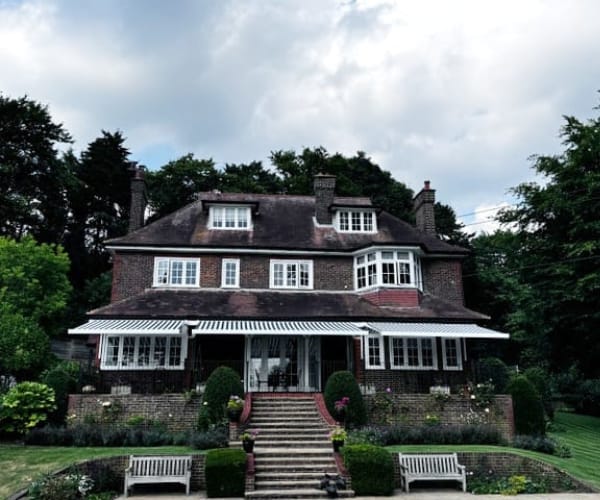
443,278
393,297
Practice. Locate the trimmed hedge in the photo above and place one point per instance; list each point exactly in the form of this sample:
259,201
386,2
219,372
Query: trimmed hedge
371,469
494,370
222,383
528,408
343,384
225,473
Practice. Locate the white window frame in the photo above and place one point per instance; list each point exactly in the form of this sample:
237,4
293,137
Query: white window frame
405,365
288,266
459,356
218,217
107,341
161,262
224,264
375,257
380,364
344,223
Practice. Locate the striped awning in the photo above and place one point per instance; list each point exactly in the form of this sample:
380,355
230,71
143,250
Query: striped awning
448,330
277,328
130,327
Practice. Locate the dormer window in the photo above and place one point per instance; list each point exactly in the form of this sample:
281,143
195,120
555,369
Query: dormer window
230,217
355,221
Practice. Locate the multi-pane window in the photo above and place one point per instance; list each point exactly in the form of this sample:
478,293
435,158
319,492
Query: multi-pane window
230,273
355,221
451,353
176,271
374,354
291,274
143,352
229,217
387,268
413,353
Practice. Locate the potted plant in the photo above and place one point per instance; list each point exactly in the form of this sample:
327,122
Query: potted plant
248,439
235,405
337,436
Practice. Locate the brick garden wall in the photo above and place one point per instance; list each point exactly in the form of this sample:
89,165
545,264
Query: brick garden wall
172,410
413,408
506,465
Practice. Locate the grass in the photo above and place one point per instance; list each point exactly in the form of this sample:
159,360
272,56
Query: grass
579,432
20,464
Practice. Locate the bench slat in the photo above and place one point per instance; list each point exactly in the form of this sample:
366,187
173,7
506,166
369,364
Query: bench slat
416,467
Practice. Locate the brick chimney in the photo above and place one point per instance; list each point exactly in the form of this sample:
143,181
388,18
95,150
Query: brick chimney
139,198
324,187
423,205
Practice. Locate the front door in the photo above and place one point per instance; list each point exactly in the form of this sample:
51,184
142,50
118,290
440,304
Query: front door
282,363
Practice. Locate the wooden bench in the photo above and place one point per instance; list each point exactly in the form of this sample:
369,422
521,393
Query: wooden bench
431,467
154,469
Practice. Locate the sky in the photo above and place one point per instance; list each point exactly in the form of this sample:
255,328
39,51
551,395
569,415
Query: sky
461,93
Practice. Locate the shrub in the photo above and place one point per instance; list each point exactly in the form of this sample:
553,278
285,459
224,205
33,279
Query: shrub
70,486
63,379
589,400
371,468
25,406
343,384
222,383
225,473
540,379
542,444
527,404
494,370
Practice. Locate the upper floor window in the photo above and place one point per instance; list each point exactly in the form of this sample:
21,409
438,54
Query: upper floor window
291,274
229,217
411,353
121,352
355,221
176,271
391,267
230,273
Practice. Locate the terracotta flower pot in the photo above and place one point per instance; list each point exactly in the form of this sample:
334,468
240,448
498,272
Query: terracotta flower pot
337,445
248,446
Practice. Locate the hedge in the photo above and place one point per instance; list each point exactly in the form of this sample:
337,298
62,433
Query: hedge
225,473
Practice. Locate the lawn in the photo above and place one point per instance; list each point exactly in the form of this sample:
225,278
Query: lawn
19,464
579,432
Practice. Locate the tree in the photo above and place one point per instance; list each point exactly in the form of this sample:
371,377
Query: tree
24,347
33,280
557,308
176,184
249,178
32,178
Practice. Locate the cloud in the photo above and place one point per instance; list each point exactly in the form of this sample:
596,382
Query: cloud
460,92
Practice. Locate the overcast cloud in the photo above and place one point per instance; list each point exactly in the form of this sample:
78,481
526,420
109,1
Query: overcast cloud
458,92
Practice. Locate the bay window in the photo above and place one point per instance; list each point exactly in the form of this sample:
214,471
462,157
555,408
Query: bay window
389,268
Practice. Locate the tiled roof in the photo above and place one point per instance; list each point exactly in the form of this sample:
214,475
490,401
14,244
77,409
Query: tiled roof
221,304
281,222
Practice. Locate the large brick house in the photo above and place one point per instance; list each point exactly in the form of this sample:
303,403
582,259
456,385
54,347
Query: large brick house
286,290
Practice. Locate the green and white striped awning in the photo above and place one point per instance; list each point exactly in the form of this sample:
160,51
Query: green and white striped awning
241,327
446,330
130,327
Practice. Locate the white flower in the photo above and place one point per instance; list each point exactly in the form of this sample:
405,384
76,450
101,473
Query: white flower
487,410
205,403
106,404
473,396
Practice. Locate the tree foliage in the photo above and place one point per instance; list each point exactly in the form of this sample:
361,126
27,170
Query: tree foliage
32,179
556,304
25,406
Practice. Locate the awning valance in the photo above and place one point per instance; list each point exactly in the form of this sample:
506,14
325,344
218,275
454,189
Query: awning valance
277,328
448,330
130,327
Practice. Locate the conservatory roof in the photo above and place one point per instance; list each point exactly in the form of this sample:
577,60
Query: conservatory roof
448,330
130,327
278,328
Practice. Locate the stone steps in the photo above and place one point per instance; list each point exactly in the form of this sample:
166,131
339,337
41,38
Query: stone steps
292,451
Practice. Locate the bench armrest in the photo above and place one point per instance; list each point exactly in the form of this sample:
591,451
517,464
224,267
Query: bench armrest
461,468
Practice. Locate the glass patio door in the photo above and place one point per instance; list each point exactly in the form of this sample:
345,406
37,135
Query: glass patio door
282,363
